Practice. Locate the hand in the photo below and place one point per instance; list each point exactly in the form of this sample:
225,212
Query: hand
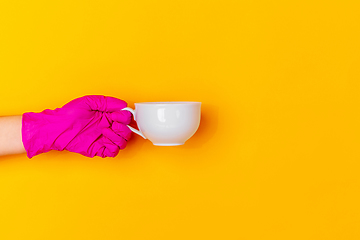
92,125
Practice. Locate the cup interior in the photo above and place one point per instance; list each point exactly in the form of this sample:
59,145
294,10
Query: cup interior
166,103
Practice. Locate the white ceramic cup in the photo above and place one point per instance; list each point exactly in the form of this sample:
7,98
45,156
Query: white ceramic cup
166,123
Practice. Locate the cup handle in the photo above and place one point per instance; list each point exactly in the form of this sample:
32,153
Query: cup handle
131,128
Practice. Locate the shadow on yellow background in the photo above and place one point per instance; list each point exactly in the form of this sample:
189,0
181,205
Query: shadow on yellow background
277,152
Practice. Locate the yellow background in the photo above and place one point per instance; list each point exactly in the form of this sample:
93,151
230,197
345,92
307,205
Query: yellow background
277,153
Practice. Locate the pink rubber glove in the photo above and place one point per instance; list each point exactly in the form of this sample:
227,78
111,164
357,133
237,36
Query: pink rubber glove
91,125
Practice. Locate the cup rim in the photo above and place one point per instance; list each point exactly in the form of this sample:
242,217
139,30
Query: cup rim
167,103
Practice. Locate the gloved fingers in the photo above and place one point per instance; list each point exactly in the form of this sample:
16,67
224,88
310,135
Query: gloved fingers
97,103
116,139
114,104
123,117
111,150
122,130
